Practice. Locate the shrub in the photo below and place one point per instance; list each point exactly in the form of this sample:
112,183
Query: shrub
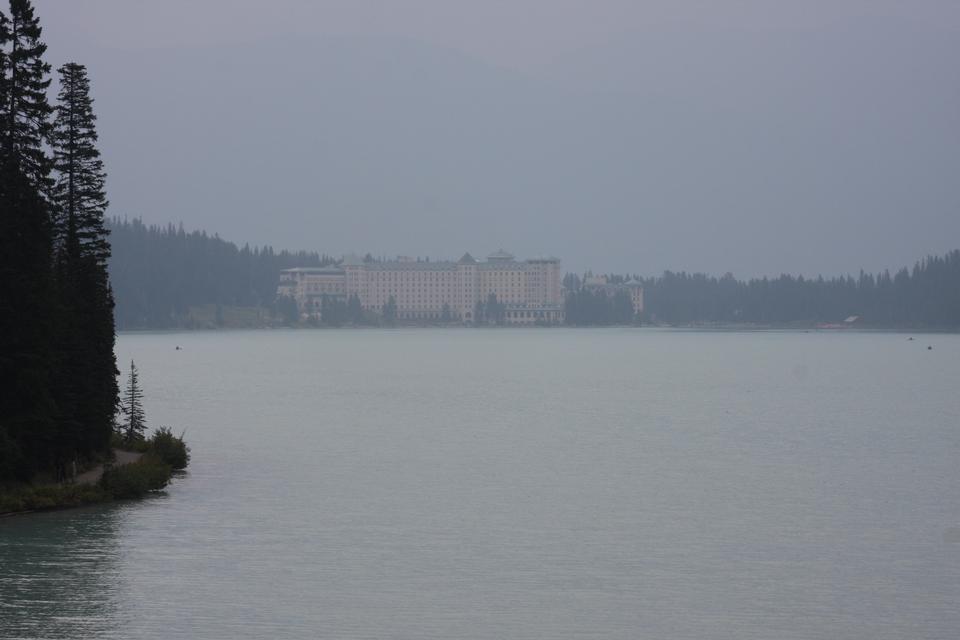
50,496
137,479
118,441
12,500
170,449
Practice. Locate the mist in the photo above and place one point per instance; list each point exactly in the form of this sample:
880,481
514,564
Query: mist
617,136
506,319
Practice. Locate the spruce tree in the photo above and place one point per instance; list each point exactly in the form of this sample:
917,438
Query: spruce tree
136,423
27,407
87,332
71,381
26,78
4,94
79,188
390,311
355,309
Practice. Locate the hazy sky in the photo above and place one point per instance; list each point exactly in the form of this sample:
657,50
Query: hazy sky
753,137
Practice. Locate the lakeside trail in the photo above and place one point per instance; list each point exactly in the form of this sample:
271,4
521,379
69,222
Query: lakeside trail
93,475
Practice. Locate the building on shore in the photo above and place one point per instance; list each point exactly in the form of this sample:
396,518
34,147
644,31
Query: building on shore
633,288
526,292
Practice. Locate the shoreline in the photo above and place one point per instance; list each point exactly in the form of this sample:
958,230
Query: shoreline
84,487
746,328
132,475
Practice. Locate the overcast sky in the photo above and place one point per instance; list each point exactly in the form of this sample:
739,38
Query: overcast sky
753,137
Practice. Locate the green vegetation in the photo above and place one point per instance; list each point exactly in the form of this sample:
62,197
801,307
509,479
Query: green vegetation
355,314
926,296
119,443
214,316
57,366
163,454
584,307
171,450
51,496
287,309
136,422
137,479
390,312
490,311
85,380
165,277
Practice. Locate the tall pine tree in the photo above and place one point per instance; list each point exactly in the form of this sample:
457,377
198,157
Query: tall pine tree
136,424
26,79
89,373
79,190
27,408
57,368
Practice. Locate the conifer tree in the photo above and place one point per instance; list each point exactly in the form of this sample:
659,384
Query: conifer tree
79,188
27,407
27,112
4,97
136,423
390,311
86,340
355,309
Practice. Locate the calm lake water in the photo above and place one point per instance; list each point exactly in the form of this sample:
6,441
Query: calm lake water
521,484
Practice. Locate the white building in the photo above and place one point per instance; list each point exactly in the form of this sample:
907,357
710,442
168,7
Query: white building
529,291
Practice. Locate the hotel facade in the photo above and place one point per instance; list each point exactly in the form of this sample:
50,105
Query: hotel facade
528,291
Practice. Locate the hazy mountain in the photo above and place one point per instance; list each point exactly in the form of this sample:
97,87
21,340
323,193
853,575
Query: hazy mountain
756,152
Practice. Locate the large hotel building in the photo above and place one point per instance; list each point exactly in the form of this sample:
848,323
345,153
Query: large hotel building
529,290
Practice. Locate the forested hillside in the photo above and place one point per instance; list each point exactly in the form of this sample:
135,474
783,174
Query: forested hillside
160,273
926,296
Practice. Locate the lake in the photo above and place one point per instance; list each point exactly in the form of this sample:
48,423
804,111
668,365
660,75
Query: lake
538,483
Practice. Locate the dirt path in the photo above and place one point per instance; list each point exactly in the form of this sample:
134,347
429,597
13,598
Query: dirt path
93,476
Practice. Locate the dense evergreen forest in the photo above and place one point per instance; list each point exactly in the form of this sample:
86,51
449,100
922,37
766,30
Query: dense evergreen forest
585,308
926,296
57,367
160,273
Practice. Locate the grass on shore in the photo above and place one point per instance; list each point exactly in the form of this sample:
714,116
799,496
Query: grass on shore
162,454
50,496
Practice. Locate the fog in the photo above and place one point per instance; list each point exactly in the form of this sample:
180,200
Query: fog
620,136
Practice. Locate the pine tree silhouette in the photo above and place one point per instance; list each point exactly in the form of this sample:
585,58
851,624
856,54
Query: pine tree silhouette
136,424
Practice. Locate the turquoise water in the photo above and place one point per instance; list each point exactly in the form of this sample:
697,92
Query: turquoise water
521,484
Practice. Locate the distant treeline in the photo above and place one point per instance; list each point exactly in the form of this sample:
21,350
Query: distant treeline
926,296
159,273
584,308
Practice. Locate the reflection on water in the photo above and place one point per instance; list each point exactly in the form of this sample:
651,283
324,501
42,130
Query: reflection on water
59,575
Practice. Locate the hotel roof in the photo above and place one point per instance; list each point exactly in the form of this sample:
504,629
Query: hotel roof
496,260
410,265
334,269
